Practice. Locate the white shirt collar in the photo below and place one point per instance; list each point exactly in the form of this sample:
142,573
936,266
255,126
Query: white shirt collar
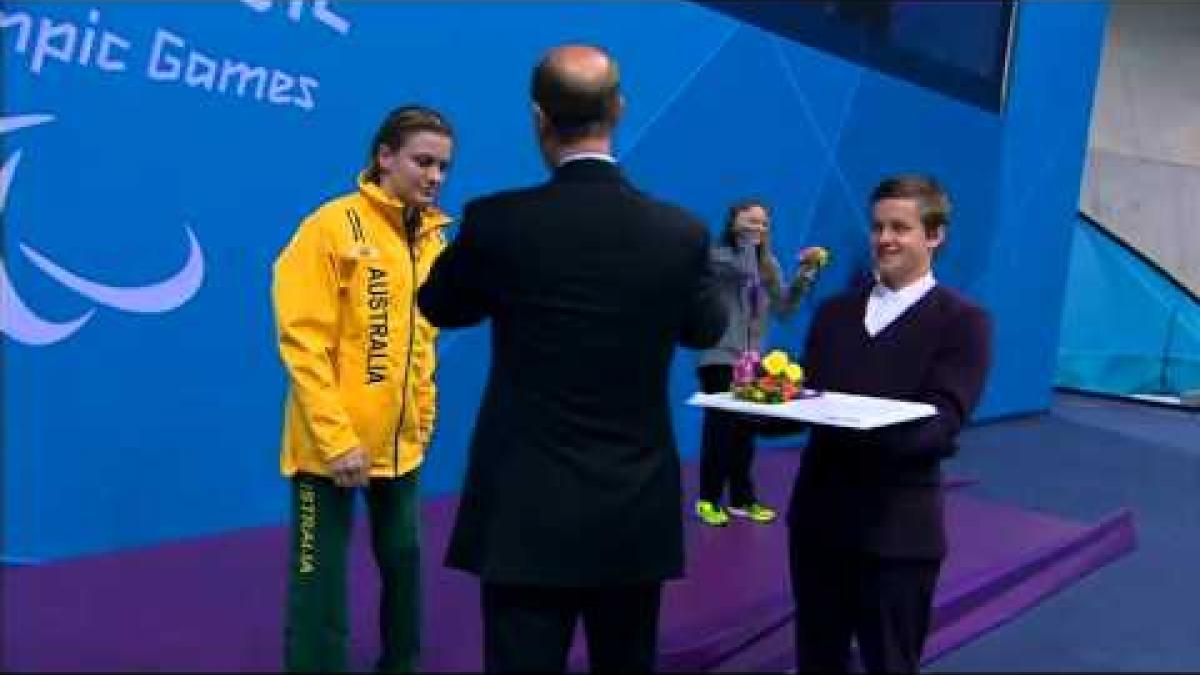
603,156
885,305
907,294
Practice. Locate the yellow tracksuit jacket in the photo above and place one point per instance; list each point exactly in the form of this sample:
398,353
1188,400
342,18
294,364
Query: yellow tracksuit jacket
359,356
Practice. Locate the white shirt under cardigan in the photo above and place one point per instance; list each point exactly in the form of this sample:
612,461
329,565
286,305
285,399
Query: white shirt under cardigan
885,305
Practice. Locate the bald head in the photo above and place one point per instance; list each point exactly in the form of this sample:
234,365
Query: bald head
577,89
582,67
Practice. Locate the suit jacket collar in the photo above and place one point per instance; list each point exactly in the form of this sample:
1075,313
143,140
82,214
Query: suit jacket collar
588,170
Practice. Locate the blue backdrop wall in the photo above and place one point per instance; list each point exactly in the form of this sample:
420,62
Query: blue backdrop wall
158,155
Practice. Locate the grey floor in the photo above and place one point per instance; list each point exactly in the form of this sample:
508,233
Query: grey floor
1085,459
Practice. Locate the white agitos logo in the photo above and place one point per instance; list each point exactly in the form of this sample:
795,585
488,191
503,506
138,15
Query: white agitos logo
22,324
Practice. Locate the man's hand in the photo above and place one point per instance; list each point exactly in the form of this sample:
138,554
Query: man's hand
350,469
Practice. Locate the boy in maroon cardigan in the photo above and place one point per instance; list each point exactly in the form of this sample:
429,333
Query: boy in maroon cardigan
865,519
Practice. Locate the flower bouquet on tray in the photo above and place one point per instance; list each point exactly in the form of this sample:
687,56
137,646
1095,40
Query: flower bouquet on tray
774,378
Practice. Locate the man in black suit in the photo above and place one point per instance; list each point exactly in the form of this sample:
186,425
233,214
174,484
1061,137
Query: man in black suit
866,531
571,505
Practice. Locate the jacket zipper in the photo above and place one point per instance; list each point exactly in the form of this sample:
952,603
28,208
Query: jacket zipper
412,329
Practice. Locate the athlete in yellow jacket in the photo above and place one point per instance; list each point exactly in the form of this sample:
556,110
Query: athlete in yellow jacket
361,401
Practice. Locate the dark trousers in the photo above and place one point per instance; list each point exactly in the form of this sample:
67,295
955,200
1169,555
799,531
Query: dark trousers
841,595
528,629
726,445
315,631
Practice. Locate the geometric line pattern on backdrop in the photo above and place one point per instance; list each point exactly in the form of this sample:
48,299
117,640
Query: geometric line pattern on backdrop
829,146
683,86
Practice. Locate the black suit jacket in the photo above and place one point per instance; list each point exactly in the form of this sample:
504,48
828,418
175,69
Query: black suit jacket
573,474
880,491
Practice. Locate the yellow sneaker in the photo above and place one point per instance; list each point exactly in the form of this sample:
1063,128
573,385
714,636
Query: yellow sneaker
711,514
755,512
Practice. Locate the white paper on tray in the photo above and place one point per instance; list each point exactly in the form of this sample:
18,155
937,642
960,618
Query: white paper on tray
829,408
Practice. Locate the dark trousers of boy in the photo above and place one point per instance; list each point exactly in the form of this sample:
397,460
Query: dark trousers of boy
316,629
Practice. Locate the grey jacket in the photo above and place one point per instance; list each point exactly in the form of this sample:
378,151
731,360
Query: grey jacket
746,328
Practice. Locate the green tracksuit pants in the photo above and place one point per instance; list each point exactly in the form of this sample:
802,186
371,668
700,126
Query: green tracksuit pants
315,631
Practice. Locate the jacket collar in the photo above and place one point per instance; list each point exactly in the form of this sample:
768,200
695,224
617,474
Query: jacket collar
432,218
587,169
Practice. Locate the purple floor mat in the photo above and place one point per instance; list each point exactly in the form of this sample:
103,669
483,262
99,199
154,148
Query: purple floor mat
215,604
1002,562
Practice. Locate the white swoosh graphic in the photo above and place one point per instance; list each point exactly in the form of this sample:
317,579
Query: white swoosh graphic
6,177
163,296
22,325
16,122
16,319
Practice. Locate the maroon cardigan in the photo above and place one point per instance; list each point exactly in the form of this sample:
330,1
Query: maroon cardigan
880,491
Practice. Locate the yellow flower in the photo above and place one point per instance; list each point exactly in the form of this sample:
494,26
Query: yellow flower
775,363
816,256
795,373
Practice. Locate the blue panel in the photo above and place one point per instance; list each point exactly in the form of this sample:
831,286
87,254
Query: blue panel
1126,328
1057,54
747,130
145,426
829,87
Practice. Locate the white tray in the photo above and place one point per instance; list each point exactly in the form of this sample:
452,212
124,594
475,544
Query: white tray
828,408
